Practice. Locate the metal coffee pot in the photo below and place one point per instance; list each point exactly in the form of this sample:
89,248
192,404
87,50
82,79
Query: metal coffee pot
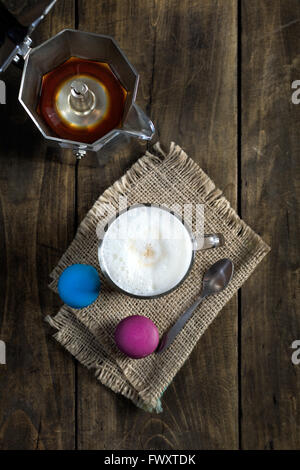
16,47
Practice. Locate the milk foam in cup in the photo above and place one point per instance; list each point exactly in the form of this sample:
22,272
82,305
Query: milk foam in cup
146,251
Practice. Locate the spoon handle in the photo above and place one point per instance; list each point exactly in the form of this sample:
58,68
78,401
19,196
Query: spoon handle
169,337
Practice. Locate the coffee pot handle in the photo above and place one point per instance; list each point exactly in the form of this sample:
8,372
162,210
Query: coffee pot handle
14,36
138,124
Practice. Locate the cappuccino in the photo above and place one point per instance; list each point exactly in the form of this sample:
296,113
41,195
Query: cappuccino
146,251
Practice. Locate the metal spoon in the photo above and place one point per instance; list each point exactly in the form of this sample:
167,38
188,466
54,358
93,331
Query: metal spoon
215,280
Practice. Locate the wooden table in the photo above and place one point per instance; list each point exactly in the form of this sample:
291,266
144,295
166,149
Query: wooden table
216,78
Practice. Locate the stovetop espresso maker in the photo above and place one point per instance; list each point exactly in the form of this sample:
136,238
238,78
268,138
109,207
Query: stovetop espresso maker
79,88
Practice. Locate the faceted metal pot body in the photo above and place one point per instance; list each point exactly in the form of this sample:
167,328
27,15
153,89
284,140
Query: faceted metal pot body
72,43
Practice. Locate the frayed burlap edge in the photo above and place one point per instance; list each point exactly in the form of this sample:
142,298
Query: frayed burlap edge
198,181
176,159
89,353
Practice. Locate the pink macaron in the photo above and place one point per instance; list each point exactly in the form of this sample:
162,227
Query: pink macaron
136,336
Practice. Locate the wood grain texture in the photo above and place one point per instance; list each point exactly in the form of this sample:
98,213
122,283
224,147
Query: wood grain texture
270,202
194,103
105,420
37,224
185,53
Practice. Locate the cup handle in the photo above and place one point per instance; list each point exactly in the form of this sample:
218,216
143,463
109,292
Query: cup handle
211,240
138,124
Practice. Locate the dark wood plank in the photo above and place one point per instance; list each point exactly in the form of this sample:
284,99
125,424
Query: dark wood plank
37,224
194,104
270,203
186,55
105,420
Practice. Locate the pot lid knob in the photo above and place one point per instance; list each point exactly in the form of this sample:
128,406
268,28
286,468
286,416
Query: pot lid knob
82,100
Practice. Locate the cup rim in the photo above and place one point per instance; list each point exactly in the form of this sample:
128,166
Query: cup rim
139,296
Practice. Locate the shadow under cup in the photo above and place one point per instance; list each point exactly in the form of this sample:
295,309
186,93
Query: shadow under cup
120,243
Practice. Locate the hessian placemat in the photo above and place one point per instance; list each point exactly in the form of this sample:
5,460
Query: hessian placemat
88,333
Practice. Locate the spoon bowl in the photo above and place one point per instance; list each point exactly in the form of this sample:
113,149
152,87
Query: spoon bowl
216,278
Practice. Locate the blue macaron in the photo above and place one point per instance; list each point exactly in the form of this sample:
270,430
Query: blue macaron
79,285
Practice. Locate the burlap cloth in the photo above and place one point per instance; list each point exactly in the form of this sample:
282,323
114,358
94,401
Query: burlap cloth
88,333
